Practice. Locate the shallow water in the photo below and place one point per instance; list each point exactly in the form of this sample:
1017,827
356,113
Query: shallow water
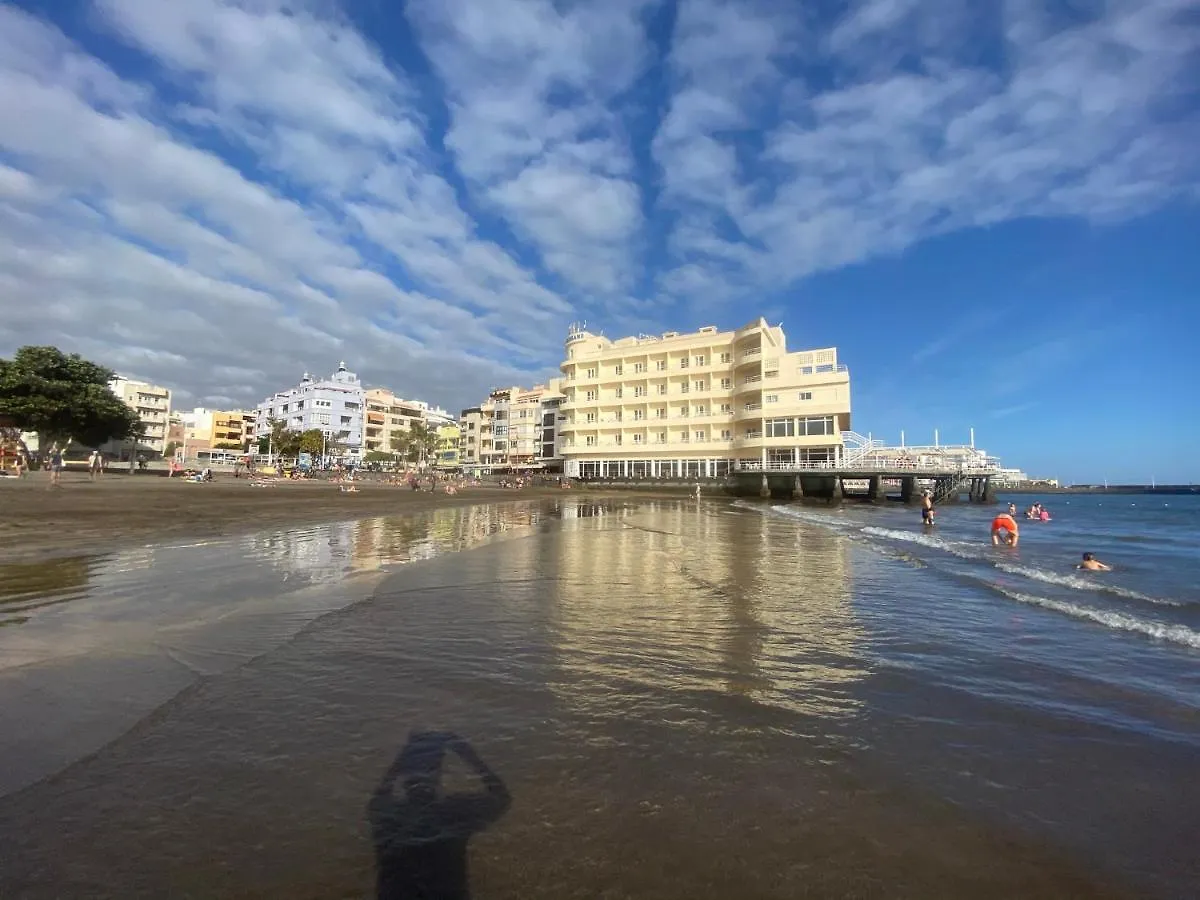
681,699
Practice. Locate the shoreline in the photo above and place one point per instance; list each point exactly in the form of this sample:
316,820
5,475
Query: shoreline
84,517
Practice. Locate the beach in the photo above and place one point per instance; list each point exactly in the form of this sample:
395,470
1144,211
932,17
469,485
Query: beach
671,698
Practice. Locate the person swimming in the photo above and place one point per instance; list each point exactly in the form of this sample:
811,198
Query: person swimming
1092,564
1044,515
1004,530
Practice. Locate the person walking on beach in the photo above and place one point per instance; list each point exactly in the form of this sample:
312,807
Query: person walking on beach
56,466
95,465
1004,530
22,463
1092,564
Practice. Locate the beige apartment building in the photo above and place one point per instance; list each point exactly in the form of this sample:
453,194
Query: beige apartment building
696,405
206,429
514,428
152,403
387,413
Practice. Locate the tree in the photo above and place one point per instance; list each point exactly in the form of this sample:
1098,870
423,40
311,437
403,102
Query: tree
288,443
401,446
378,456
169,450
312,441
423,441
63,397
221,445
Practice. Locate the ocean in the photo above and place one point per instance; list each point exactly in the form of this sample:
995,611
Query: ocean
613,698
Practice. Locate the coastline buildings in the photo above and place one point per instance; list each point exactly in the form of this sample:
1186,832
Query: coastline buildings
514,428
209,429
333,405
692,405
152,403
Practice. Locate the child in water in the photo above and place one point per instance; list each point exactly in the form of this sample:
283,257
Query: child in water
1092,564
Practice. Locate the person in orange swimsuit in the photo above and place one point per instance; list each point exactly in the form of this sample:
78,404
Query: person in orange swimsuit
1008,525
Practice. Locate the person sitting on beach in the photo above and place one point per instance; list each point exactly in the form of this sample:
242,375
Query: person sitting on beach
1092,564
1007,525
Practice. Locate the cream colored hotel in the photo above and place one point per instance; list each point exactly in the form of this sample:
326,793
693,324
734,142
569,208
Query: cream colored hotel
699,404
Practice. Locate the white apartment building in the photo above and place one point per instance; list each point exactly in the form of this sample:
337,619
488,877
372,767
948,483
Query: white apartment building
334,405
152,403
694,405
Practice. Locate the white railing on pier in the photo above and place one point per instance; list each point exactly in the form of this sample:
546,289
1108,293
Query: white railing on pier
873,464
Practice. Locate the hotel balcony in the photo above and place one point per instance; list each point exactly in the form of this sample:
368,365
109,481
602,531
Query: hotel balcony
749,411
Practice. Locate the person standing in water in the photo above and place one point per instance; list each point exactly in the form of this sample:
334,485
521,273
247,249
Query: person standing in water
1092,564
927,509
1012,509
1004,530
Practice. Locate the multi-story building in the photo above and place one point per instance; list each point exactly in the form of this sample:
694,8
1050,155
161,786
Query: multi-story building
694,405
204,429
152,403
514,428
449,437
334,406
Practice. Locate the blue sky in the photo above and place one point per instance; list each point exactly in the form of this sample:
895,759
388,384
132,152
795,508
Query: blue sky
992,212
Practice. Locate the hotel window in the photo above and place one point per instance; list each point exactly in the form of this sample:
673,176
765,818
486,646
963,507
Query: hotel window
726,435
617,440
618,393
699,385
817,425
661,437
501,431
322,418
683,436
660,365
683,363
683,411
771,398
283,408
638,415
591,373
780,427
662,389
618,370
700,435
702,410
590,440
501,445
660,413
683,388
591,395
726,407
726,357
637,438
699,360
345,420
638,368
639,391
726,383
806,395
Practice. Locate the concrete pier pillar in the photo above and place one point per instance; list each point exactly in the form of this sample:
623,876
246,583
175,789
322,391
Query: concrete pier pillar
835,495
877,492
798,488
764,489
908,489
989,492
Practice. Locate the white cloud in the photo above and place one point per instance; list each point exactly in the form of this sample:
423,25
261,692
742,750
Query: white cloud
253,188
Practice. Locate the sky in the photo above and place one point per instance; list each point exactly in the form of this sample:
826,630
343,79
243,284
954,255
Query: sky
991,209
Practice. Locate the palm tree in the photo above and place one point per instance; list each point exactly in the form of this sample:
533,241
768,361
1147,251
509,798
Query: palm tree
401,444
423,440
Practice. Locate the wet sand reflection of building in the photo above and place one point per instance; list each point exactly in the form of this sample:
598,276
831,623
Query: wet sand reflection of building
704,598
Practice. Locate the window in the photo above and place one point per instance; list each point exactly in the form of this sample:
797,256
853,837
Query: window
700,435
638,368
591,373
638,415
661,437
683,388
618,393
805,395
726,407
501,430
699,385
501,445
618,370
818,425
699,360
591,395
322,418
726,435
639,391
662,389
683,411
683,436
660,413
324,404
283,408
524,414
771,398
683,363
726,383
590,440
781,427
702,410
617,440
350,405
637,438
660,365
346,420
726,357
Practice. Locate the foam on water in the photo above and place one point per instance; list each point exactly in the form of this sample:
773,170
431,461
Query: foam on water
1078,582
1177,634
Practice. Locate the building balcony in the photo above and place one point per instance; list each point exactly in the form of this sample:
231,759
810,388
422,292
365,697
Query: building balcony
749,411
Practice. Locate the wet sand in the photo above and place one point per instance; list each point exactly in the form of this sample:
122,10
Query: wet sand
115,510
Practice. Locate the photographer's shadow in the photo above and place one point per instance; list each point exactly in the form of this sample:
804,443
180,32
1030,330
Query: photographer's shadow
421,835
